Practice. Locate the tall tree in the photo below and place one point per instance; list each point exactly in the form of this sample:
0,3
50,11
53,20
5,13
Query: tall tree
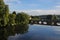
4,11
22,18
6,14
2,2
11,19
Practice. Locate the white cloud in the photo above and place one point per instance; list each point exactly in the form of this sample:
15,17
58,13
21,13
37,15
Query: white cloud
40,12
12,2
58,6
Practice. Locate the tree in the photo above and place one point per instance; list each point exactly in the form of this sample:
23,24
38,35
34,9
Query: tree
6,19
11,19
14,12
35,18
22,18
4,11
2,2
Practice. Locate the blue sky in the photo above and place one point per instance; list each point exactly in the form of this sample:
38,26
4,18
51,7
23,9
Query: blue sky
34,6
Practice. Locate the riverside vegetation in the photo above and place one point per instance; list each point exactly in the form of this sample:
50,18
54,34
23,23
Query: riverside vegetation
11,23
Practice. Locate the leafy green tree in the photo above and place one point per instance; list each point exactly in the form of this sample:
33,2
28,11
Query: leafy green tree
22,18
14,16
11,19
35,18
6,19
2,2
4,11
8,22
54,17
14,12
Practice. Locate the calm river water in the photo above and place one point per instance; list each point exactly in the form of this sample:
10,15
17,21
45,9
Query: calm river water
39,32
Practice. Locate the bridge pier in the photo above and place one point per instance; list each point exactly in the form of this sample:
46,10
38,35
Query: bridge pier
37,22
42,22
55,23
49,23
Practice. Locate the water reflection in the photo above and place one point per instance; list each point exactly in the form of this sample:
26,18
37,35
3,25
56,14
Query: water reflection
12,30
39,32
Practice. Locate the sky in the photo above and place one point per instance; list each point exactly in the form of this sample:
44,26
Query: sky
34,7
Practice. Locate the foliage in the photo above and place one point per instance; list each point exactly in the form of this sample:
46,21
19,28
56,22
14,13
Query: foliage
11,23
6,19
35,18
4,12
54,17
22,18
12,19
12,30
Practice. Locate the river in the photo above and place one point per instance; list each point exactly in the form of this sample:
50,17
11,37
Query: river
39,32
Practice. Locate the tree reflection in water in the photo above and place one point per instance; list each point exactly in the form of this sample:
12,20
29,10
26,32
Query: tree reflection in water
12,30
